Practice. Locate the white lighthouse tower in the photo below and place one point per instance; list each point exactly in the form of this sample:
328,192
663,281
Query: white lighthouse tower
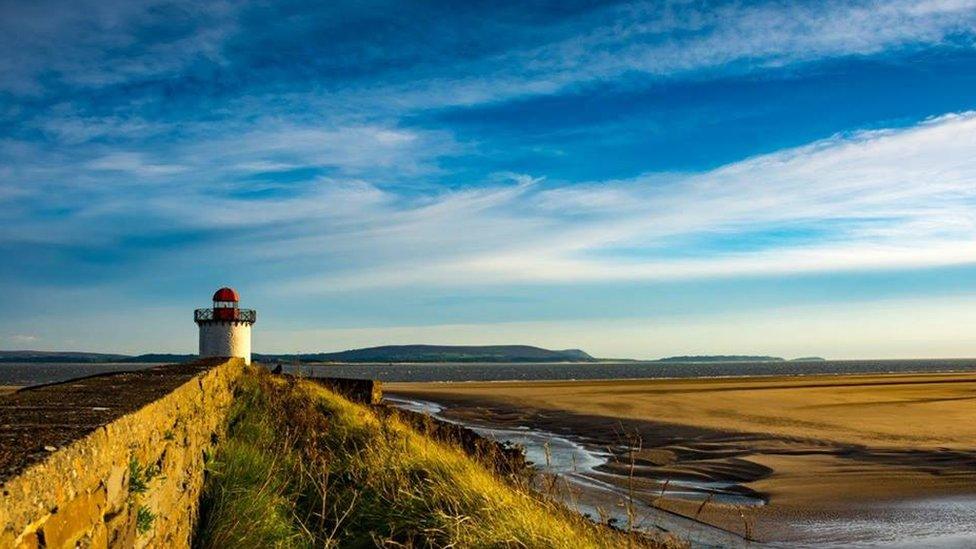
225,330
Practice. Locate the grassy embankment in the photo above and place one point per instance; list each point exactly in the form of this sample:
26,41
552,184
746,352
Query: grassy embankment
304,467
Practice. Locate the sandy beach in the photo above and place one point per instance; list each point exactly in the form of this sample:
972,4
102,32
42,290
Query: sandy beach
886,459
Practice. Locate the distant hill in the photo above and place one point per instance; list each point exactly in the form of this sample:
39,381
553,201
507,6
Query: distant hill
722,358
388,353
809,359
442,353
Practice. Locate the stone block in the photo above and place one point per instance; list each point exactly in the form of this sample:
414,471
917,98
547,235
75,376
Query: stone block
115,488
30,541
74,520
121,528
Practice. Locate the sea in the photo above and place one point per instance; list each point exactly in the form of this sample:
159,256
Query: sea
36,373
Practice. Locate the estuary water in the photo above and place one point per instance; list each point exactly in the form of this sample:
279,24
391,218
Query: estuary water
35,373
626,370
23,374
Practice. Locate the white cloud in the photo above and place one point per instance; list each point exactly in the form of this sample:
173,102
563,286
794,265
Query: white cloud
72,128
677,39
885,200
133,163
98,44
891,199
352,149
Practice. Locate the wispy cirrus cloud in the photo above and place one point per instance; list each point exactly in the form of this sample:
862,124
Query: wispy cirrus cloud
161,43
98,44
132,163
879,200
682,38
873,200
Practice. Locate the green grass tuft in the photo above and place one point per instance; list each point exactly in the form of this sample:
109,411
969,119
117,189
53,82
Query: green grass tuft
304,467
144,519
249,497
140,477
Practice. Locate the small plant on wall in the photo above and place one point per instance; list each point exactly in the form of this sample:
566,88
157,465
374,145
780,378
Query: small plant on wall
144,519
140,477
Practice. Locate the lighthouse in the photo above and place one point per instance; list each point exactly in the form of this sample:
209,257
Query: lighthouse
225,330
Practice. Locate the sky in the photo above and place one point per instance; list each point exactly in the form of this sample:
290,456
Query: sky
636,179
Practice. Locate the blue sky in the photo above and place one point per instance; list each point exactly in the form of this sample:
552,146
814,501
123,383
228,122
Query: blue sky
636,179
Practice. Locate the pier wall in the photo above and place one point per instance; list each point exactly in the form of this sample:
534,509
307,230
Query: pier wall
114,460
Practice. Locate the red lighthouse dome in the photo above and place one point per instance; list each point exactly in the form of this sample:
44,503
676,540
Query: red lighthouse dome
226,303
226,294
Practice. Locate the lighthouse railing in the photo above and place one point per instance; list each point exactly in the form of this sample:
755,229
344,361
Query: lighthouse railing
243,315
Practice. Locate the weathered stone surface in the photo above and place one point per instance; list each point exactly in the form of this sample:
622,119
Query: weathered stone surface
158,422
114,485
74,520
30,541
122,528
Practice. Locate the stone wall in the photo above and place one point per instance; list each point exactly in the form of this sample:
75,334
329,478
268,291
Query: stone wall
114,460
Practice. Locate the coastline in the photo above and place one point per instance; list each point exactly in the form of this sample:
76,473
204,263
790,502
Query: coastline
824,454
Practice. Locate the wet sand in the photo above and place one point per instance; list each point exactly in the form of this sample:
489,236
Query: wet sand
873,459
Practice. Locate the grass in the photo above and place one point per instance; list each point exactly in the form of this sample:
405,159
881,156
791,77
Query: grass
139,479
250,495
140,476
304,467
144,519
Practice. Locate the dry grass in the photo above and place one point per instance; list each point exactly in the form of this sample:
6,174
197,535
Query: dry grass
303,466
